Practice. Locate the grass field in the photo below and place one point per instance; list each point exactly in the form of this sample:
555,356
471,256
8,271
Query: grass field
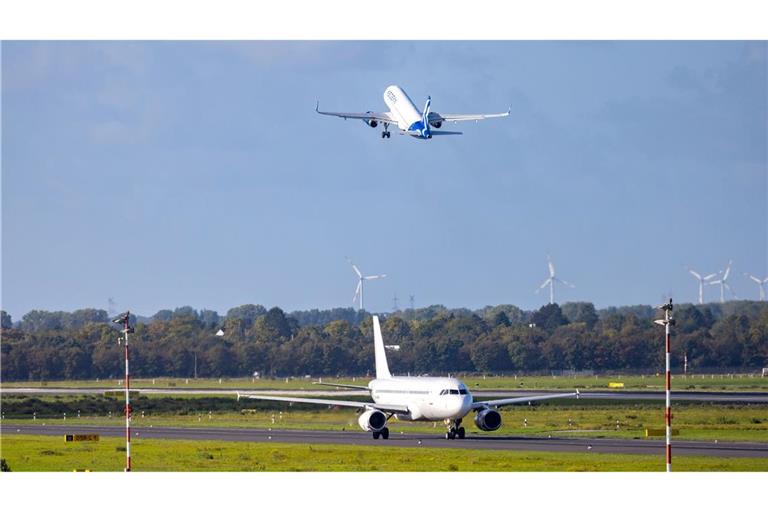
50,453
696,421
708,382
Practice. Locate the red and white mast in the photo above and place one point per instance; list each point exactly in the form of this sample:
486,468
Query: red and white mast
127,329
667,322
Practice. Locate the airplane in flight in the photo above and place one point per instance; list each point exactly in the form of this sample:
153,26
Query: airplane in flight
406,116
415,399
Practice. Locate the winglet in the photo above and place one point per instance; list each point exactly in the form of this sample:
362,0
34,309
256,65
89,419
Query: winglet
578,394
317,107
238,396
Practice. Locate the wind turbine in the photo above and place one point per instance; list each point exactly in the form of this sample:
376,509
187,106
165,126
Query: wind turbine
551,282
723,282
701,280
360,279
760,282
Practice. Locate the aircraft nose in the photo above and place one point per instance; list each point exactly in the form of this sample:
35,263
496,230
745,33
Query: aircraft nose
464,405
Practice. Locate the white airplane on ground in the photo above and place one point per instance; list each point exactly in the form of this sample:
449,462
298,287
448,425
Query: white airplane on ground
416,399
404,114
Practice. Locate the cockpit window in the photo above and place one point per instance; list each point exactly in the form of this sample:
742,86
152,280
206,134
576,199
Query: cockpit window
454,391
444,392
463,391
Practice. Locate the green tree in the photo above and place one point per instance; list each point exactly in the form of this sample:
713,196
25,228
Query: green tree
5,320
549,317
247,313
489,355
580,312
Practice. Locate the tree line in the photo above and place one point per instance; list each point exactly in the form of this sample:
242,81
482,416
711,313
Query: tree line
575,336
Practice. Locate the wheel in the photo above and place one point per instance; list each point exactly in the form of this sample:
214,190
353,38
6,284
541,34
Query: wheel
450,435
389,135
375,435
383,134
461,432
385,433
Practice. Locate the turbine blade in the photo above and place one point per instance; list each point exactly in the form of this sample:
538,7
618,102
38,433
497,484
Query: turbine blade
375,277
543,285
566,283
551,267
695,274
710,276
357,291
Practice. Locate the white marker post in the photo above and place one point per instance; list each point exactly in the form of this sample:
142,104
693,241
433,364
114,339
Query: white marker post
667,322
124,318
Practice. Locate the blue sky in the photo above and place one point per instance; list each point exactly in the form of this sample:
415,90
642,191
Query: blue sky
197,173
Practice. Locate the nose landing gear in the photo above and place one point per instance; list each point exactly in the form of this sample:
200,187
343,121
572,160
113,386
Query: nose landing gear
386,134
455,430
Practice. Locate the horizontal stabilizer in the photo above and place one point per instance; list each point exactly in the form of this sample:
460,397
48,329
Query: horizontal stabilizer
445,132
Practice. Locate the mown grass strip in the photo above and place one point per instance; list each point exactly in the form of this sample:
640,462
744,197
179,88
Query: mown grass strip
47,453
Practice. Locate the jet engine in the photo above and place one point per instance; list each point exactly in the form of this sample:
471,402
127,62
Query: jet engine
436,124
488,419
371,122
372,420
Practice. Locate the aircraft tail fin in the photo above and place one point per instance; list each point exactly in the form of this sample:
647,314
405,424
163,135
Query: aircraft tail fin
382,369
425,115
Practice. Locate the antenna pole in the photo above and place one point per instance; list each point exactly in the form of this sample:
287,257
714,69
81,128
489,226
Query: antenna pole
127,399
667,322
127,329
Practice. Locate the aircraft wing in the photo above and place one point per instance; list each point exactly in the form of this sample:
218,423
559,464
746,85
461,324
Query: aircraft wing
521,400
348,386
382,117
320,401
435,117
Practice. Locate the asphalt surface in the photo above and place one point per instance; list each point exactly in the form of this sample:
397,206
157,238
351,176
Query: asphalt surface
410,440
693,396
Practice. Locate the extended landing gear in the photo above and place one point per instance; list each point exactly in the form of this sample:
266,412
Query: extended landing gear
386,133
455,430
383,433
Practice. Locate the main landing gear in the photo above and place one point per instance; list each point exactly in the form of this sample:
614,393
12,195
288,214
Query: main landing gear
386,134
455,430
384,433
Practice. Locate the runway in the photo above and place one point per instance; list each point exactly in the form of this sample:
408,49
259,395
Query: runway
410,440
746,397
